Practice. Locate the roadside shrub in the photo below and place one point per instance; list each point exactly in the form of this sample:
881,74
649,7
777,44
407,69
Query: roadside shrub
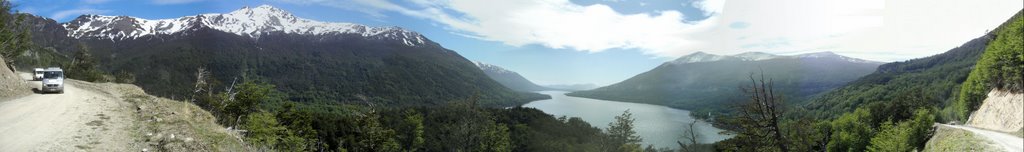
908,135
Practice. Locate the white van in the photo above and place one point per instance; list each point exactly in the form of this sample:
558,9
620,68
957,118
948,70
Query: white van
37,74
53,80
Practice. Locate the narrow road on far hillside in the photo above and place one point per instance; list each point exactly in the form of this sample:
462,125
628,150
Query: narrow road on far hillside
79,120
1009,142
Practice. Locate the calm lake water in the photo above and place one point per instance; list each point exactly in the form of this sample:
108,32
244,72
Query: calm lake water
658,125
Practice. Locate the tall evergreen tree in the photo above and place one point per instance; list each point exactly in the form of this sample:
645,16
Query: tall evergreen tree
14,37
622,133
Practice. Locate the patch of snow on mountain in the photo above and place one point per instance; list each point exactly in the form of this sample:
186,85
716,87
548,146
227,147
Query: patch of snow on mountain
755,56
698,57
818,55
829,54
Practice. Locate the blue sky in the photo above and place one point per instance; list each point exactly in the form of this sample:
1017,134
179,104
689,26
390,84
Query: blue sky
607,41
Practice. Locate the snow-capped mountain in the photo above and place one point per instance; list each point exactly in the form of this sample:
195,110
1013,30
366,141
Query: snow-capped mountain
345,59
492,68
247,21
758,56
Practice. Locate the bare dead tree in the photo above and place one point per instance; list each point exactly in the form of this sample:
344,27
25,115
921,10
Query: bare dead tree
692,137
201,76
763,113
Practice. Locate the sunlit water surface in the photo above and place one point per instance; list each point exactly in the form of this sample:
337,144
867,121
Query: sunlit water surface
660,126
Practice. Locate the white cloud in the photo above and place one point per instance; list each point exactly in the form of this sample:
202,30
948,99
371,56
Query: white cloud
170,2
710,7
80,11
872,29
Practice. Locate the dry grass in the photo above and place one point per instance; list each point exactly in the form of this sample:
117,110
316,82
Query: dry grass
168,125
956,140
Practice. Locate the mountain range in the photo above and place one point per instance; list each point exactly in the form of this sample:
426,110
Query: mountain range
508,78
704,82
573,87
313,61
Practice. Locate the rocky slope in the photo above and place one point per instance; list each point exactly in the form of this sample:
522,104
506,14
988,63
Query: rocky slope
1001,111
10,84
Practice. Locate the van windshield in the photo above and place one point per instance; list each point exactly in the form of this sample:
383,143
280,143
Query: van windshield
53,74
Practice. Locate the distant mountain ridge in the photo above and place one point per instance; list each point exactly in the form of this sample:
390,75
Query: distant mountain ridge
572,87
758,56
312,61
508,78
704,82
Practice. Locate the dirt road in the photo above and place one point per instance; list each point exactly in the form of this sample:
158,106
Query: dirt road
1009,142
81,119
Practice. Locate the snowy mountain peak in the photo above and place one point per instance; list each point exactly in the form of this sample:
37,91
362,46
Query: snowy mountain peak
247,21
818,55
490,67
829,54
698,57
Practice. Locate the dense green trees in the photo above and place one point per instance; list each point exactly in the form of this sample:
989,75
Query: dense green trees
852,131
14,36
901,124
939,76
410,130
262,129
250,94
273,123
83,66
910,135
1000,67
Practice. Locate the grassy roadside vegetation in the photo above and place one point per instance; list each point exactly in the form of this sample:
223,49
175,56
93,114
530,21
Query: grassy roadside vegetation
952,139
168,125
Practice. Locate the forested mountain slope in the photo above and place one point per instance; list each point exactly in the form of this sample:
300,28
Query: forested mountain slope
704,82
310,60
937,78
1001,67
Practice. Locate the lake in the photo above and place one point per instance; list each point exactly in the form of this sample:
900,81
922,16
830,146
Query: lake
660,126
